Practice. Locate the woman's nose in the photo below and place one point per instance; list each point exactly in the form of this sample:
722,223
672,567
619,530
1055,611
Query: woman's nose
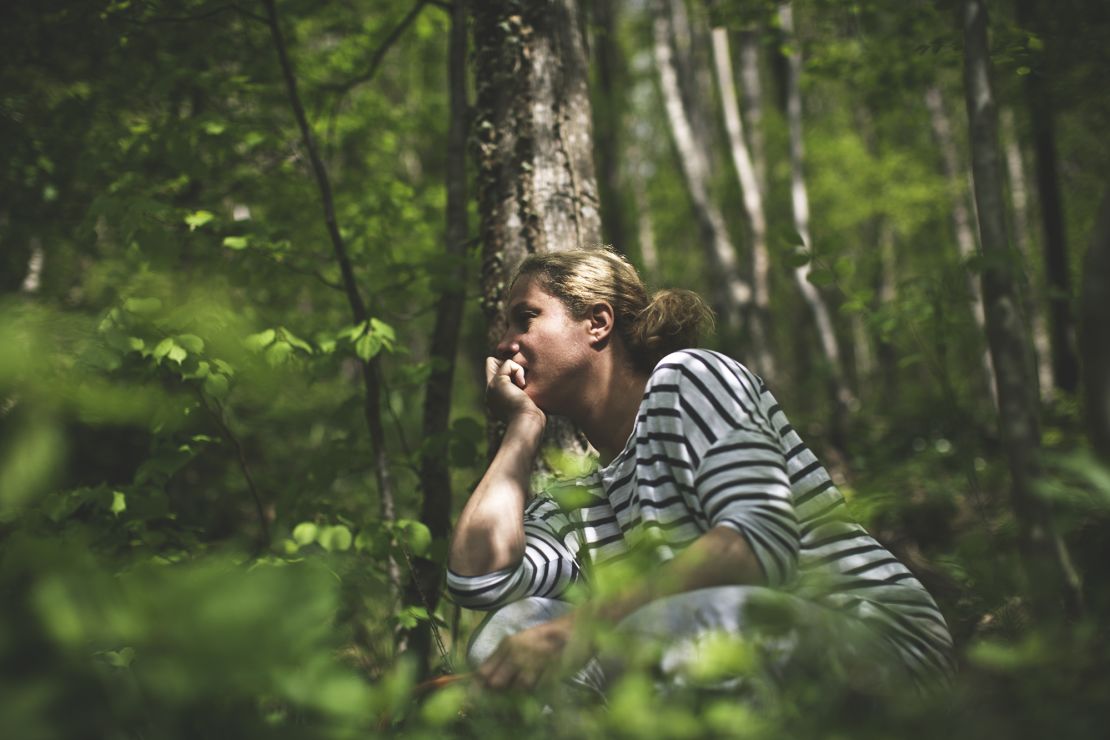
506,348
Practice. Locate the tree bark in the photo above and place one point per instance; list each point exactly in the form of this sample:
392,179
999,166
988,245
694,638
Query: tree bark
732,294
961,220
763,357
537,191
1019,202
1095,312
1065,368
435,478
1045,557
751,95
842,397
609,105
371,370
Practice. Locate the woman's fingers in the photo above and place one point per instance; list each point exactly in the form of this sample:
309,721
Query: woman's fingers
492,366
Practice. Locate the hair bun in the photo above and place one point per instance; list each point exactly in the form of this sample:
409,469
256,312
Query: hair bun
673,319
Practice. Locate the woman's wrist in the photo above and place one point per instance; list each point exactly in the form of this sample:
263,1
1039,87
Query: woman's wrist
528,425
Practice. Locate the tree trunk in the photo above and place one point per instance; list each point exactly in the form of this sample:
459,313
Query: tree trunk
751,96
1019,202
537,191
609,104
961,220
1064,365
842,397
753,206
1047,565
1095,308
732,293
435,478
371,370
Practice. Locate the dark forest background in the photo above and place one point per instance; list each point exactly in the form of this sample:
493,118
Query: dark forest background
252,253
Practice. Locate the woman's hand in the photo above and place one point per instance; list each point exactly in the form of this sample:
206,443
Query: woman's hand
505,394
522,660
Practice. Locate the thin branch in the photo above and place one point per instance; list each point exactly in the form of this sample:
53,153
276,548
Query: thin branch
293,268
376,59
217,415
371,370
378,56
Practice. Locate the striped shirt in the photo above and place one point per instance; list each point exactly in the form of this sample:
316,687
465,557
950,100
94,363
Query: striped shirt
711,447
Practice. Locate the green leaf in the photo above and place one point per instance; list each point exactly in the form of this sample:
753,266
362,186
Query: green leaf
216,385
382,329
177,353
367,346
416,536
278,352
363,541
119,503
198,218
305,533
142,306
819,276
191,342
261,340
296,341
797,258
334,538
236,242
162,348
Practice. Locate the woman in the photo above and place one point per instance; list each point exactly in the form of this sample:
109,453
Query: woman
696,458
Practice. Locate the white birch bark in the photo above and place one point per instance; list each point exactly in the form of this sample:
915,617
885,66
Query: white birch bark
751,90
799,198
753,205
1019,198
961,221
734,293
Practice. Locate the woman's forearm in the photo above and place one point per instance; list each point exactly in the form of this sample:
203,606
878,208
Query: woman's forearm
489,535
720,557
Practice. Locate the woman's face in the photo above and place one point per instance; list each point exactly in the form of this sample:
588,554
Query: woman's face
551,345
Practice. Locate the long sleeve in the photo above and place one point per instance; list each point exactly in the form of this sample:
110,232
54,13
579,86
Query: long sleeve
548,568
740,481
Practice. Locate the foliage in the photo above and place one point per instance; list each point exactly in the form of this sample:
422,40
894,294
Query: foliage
191,539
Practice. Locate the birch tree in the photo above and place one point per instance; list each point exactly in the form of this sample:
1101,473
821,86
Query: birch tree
799,198
961,219
753,206
732,293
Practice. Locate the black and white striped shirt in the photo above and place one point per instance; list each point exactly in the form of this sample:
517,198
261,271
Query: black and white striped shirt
711,447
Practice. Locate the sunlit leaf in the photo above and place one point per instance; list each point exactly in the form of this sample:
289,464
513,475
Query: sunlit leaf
335,538
197,219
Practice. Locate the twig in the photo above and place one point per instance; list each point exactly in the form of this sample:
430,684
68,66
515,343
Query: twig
221,422
376,59
371,370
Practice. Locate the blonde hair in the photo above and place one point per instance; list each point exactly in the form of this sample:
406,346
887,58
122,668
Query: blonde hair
649,328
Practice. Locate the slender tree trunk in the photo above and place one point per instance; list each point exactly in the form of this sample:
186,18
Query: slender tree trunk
1065,368
694,83
1095,308
753,206
961,220
733,294
1047,564
435,477
371,370
751,95
609,104
1019,201
842,397
537,191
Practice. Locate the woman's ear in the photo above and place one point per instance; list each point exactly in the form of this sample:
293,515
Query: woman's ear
601,322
